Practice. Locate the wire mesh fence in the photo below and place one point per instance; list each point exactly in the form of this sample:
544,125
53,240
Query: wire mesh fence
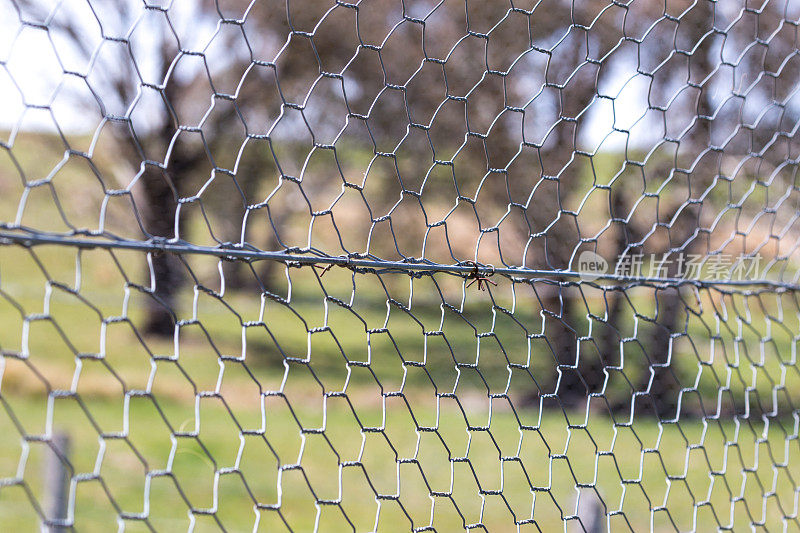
391,265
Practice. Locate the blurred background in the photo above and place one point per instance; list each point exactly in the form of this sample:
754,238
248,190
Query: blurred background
201,392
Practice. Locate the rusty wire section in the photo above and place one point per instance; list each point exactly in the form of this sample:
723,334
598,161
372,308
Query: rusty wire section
393,265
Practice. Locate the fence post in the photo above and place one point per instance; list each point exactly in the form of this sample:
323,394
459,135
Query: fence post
590,513
56,483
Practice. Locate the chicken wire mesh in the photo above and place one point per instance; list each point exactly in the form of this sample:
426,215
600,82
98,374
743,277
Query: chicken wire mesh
393,265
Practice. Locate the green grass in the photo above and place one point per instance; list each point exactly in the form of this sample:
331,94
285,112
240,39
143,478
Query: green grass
555,457
162,426
363,429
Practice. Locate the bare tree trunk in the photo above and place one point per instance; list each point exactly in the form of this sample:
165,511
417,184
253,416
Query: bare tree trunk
663,376
161,191
581,371
664,386
572,386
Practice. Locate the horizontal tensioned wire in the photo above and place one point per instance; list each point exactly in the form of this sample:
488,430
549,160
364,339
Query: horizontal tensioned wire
367,263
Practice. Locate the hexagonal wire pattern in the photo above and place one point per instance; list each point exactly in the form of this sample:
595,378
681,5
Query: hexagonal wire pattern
392,265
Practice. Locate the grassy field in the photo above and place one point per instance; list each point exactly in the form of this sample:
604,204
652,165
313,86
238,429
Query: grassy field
555,458
372,416
210,435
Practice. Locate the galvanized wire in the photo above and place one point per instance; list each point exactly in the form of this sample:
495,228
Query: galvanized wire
398,265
